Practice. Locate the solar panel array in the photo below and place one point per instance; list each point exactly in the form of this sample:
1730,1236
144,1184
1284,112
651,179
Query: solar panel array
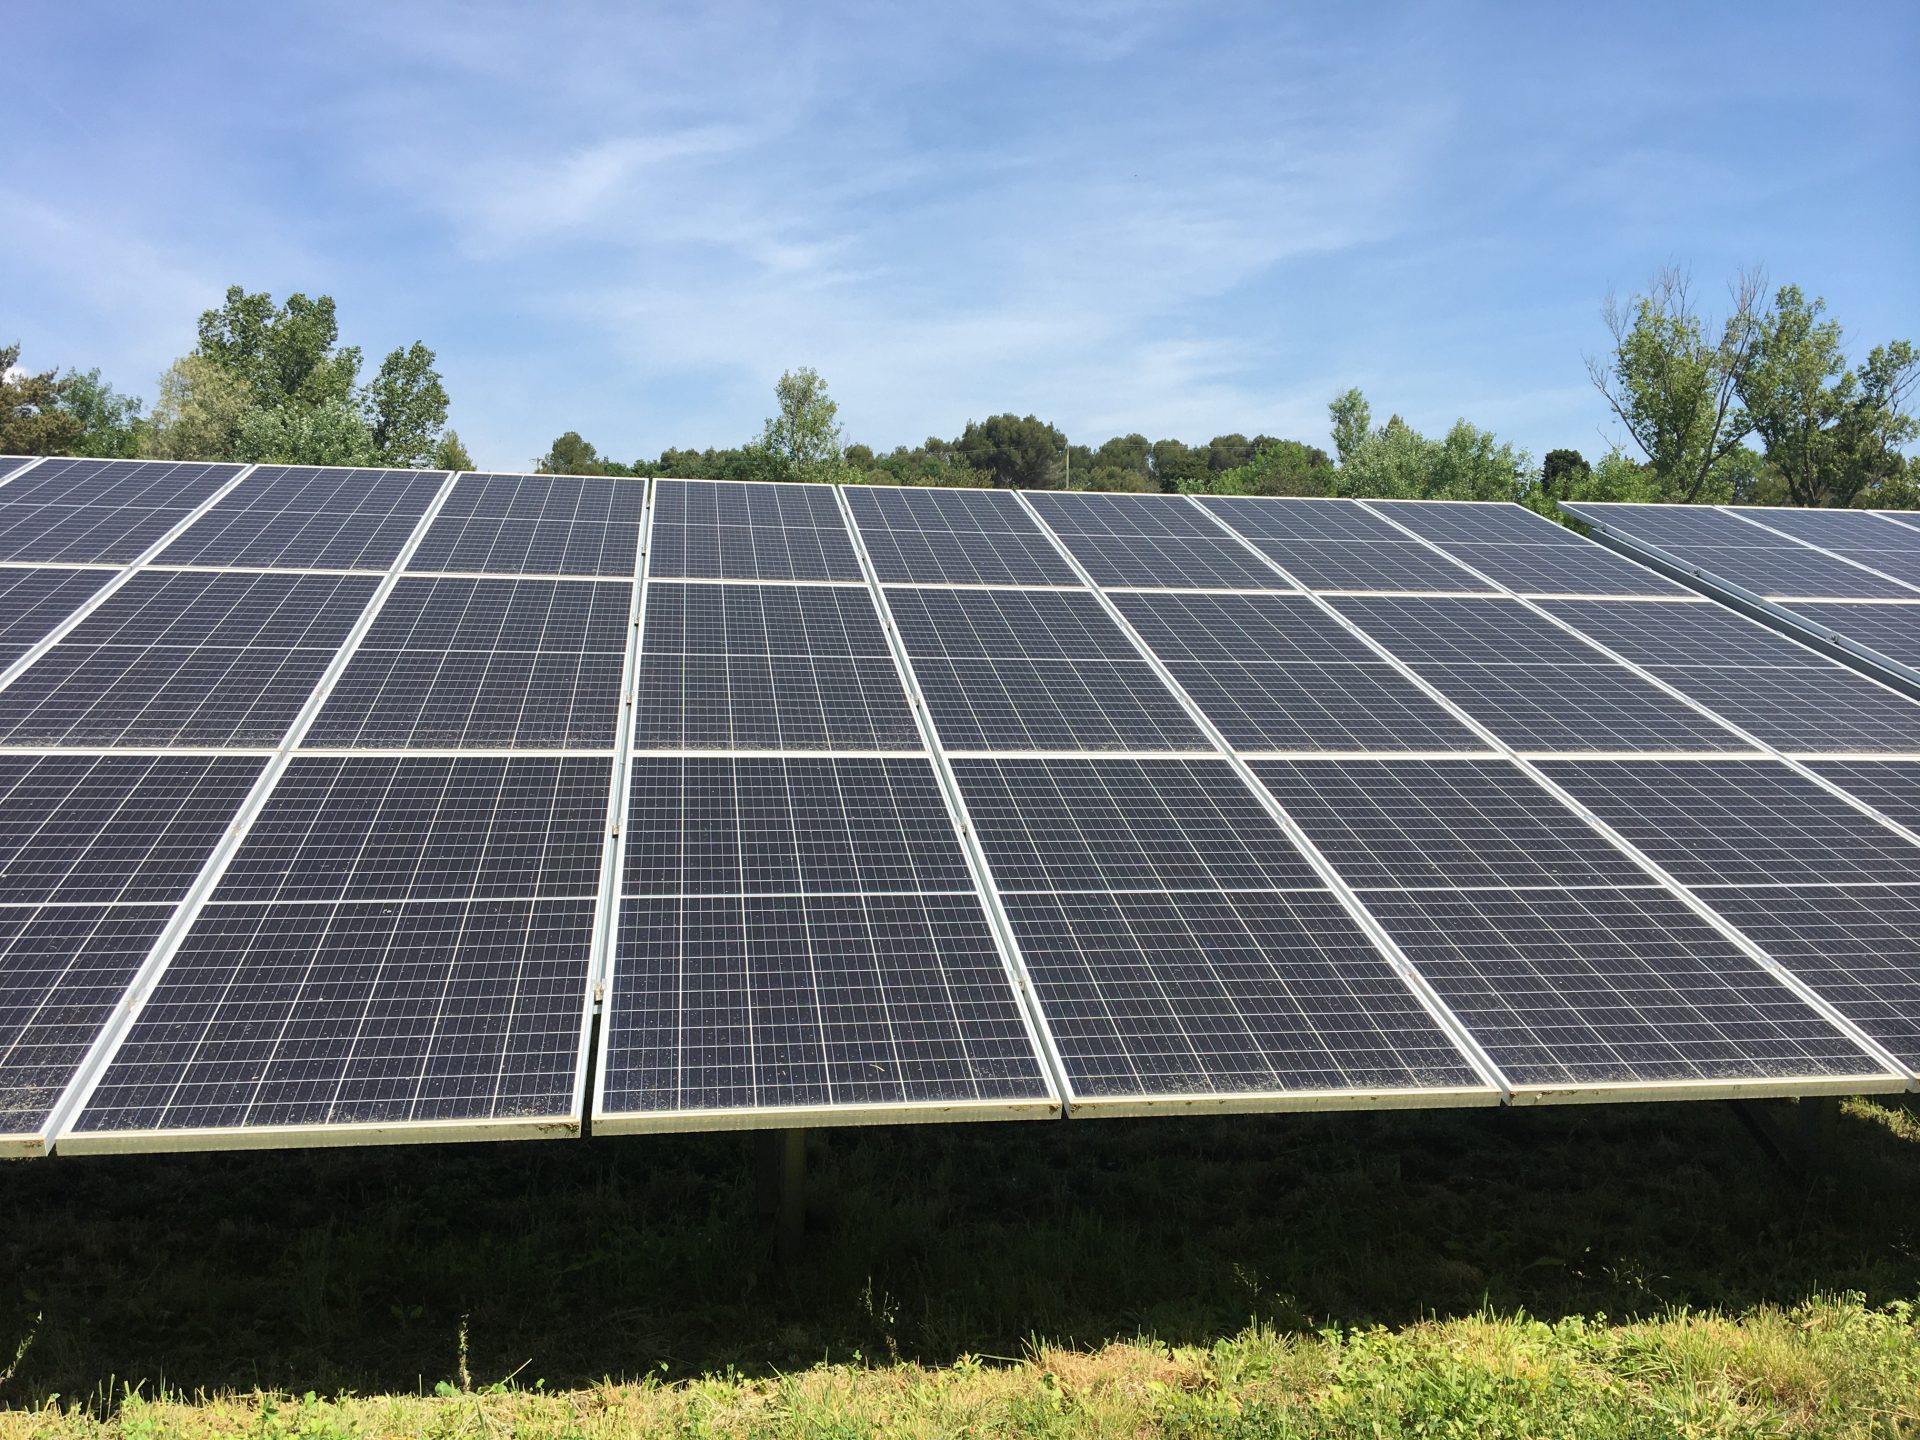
1846,578
334,804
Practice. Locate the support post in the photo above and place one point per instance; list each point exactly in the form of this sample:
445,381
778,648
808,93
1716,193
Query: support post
780,1173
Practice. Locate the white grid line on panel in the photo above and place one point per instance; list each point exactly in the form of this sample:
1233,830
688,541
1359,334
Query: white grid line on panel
100,1057
1700,707
132,568
1818,549
1871,1048
1033,1019
1344,894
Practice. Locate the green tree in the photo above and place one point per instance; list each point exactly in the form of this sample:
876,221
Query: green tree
1015,450
1352,423
406,407
801,440
450,454
1675,386
1177,465
286,353
333,432
109,421
1563,472
32,419
198,413
570,454
1279,467
1832,433
1398,462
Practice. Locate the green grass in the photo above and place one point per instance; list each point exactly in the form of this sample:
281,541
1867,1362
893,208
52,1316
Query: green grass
1432,1274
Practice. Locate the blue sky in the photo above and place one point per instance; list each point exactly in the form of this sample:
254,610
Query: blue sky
1180,219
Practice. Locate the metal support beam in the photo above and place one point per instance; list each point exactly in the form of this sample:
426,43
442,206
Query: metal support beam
780,1175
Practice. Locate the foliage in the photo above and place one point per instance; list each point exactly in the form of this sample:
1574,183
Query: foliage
450,454
1280,467
1398,462
1831,432
570,454
1675,386
801,440
1018,451
271,382
32,421
109,421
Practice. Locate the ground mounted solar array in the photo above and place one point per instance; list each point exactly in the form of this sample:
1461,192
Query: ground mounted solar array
1847,581
344,805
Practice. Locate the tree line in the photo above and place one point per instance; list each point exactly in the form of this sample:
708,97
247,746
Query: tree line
1761,406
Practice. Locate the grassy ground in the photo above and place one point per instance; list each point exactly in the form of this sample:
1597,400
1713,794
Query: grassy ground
1339,1275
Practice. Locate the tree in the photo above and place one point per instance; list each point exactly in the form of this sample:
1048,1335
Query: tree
1016,451
1563,472
109,421
1352,423
802,440
32,420
198,413
286,353
571,455
1832,433
1676,390
333,432
1177,465
450,454
1279,467
406,407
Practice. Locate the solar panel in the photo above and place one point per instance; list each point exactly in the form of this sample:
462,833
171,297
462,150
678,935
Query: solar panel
928,536
385,829
186,657
1035,670
535,525
1460,823
1281,518
1891,629
470,662
1857,535
319,517
1384,566
1727,548
1112,825
1152,540
1529,682
1275,673
1891,787
82,511
1563,570
462,1014
749,530
113,829
1485,522
11,463
1771,687
756,825
1619,986
63,971
768,667
754,1009
1739,822
1227,996
33,602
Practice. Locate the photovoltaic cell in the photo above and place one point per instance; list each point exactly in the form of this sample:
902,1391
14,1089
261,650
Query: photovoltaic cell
310,516
1105,825
1483,522
63,971
1282,518
1275,673
1584,987
1891,787
330,1015
1456,823
33,602
764,825
768,667
11,463
536,525
1563,570
1224,993
1892,629
750,531
1150,540
186,657
1855,535
1375,566
1739,822
366,828
812,1002
961,536
1858,947
113,828
1532,684
1007,624
83,511
452,662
